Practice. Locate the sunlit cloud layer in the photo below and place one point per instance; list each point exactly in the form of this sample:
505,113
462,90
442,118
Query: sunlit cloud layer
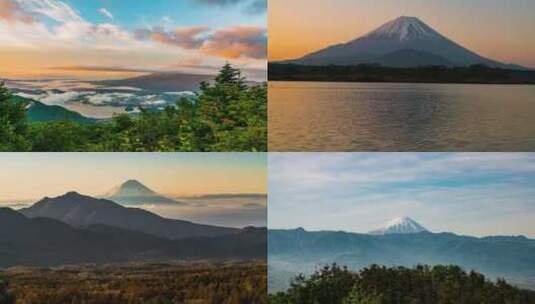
38,35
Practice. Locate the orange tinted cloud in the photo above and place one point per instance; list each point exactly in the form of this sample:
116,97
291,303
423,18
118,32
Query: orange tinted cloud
236,42
186,37
230,43
12,12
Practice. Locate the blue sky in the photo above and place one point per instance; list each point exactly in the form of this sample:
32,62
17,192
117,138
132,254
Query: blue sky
135,14
466,193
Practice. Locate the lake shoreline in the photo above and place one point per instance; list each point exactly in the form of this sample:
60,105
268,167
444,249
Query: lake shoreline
476,74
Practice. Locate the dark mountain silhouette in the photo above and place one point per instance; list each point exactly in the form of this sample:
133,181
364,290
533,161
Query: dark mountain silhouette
83,211
403,42
48,242
298,250
132,192
163,82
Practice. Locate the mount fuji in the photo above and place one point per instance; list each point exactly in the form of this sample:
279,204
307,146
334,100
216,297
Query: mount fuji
133,192
400,225
402,42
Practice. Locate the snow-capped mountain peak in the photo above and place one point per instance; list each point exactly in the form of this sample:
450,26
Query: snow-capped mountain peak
400,225
130,188
403,28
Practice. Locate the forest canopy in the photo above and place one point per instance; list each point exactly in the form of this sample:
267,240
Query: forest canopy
399,285
228,115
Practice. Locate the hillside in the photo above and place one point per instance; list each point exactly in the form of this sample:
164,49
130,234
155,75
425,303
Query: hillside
399,285
48,242
40,112
82,211
300,251
140,283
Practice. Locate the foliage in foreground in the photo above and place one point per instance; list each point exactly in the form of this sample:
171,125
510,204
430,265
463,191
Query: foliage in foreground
226,116
5,296
232,283
399,285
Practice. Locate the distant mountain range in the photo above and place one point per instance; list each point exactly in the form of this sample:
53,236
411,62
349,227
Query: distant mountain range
48,242
403,42
404,243
162,82
132,192
73,228
83,211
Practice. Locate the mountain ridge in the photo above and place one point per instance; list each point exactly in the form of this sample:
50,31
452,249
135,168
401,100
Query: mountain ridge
48,242
299,251
79,210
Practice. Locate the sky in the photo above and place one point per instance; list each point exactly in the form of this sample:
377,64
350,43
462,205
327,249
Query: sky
101,39
497,29
25,178
478,194
36,175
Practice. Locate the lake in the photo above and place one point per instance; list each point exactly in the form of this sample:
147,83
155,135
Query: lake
323,116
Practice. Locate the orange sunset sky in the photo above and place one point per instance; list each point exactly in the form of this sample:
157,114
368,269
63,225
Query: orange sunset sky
497,29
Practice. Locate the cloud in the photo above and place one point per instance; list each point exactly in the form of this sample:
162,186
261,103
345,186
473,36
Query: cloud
230,43
257,7
11,11
167,19
54,9
472,193
252,7
237,42
53,23
185,37
106,13
104,69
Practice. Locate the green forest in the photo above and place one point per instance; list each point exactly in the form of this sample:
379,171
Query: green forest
399,285
202,283
228,115
476,74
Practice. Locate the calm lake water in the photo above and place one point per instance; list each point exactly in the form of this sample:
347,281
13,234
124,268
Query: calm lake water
314,116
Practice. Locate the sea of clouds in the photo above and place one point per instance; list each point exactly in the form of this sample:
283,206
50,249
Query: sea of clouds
69,93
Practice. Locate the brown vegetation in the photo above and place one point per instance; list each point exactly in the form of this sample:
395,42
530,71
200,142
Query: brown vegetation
196,283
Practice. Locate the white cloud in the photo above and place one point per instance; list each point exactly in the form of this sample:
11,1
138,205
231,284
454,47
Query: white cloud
69,29
167,19
468,193
54,9
106,13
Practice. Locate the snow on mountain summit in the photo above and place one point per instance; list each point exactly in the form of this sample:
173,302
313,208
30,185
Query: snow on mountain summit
400,225
403,28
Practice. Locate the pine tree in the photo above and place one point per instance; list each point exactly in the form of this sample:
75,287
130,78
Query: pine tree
13,125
